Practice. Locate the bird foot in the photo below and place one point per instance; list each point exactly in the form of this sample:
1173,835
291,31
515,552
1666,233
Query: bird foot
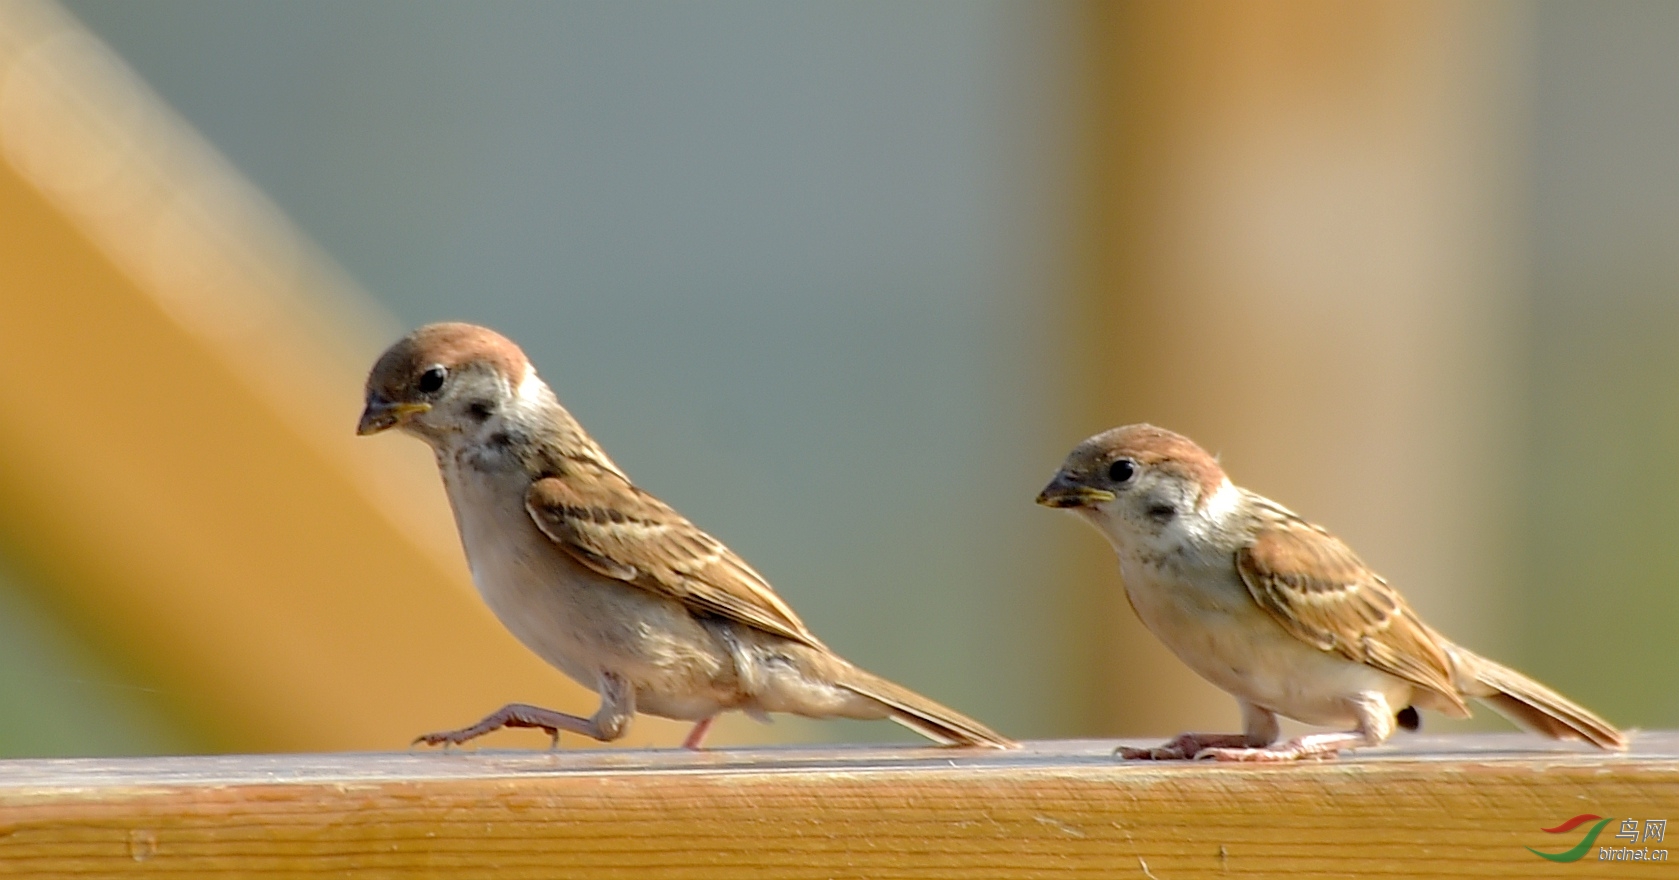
514,715
1318,746
1183,747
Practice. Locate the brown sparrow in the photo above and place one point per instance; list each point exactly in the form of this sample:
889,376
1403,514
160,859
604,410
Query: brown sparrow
601,579
1278,612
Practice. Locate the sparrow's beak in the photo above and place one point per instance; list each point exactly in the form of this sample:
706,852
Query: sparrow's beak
382,414
1064,492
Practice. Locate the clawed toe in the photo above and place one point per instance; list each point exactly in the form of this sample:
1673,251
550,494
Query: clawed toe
446,739
1157,753
1182,747
450,738
1244,755
516,715
1278,754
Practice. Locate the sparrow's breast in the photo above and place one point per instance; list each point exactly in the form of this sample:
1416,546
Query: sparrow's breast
579,621
1209,620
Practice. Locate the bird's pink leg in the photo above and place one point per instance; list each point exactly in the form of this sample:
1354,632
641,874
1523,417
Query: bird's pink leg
697,735
1375,725
1316,745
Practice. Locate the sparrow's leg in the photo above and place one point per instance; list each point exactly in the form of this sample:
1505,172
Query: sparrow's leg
514,715
697,735
610,721
1375,725
1259,728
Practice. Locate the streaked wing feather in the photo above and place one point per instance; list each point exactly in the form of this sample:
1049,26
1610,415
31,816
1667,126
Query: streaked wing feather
1321,592
622,532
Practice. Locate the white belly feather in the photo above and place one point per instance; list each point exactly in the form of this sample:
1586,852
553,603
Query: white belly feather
1218,630
577,620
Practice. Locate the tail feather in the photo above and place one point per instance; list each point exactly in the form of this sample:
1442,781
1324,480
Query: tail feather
934,721
1533,706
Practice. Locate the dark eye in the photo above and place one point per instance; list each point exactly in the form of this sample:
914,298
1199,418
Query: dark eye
432,379
1121,470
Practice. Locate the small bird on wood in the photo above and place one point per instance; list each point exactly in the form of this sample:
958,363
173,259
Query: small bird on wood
598,577
1278,612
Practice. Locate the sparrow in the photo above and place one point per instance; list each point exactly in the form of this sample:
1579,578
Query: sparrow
602,580
1278,612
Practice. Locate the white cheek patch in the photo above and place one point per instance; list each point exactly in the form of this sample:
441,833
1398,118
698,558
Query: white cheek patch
1216,510
531,392
1223,503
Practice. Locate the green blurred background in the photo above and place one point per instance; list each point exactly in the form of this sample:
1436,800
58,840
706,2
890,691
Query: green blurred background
843,281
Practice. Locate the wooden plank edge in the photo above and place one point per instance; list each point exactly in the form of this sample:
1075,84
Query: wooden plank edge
1431,806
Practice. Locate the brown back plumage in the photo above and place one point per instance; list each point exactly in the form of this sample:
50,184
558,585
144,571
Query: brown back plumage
622,532
1322,593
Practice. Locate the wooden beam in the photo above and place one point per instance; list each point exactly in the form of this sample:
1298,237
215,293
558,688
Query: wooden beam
1432,807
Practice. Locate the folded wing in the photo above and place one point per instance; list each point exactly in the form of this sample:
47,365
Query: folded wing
1322,593
622,532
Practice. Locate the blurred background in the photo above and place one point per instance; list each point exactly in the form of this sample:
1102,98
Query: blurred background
843,282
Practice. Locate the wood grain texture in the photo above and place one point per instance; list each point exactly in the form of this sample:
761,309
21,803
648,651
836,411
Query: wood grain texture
1457,807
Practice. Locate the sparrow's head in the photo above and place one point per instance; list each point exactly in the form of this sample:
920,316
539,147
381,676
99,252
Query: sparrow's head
444,380
1140,480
